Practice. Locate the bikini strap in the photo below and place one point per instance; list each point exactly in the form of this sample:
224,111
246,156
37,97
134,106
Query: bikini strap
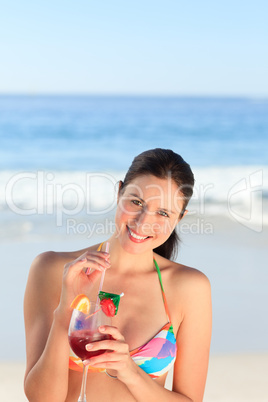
162,288
160,280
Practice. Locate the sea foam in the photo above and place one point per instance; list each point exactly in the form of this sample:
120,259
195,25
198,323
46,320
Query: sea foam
29,199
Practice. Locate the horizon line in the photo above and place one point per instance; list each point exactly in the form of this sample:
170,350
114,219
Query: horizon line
133,95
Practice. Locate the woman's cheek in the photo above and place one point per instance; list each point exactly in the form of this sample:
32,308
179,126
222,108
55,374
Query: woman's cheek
123,217
126,209
166,227
157,228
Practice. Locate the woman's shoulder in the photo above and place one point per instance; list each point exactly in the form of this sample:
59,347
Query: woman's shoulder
187,289
51,259
50,264
184,278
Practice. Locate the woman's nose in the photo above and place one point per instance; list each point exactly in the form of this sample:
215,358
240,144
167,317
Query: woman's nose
147,224
144,217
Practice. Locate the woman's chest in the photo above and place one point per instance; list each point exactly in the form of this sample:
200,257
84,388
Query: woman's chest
142,311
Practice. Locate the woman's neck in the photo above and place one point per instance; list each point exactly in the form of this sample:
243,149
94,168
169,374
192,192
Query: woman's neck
124,262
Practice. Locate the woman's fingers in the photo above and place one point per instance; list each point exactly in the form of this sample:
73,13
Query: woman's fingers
115,350
108,360
113,331
94,260
115,355
86,268
111,345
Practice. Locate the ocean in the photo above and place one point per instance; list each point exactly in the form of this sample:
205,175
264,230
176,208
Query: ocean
104,133
61,158
71,151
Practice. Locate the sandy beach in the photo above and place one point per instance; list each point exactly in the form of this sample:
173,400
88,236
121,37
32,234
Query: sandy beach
231,378
237,378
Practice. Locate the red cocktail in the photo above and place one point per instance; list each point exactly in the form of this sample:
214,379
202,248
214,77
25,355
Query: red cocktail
84,329
80,338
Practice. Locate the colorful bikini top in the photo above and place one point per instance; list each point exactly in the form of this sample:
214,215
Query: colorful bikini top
156,356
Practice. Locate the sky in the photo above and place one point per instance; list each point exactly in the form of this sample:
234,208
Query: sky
148,47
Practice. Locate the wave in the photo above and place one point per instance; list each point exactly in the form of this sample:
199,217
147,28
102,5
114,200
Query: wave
29,197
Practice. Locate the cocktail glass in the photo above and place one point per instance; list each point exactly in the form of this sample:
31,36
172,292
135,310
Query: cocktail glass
83,329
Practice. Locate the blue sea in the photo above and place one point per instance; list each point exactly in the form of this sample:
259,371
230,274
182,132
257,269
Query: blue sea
61,158
104,133
75,148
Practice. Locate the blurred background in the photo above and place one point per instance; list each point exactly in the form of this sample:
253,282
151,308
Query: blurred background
86,87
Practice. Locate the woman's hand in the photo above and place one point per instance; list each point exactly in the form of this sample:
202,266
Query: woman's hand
116,359
80,275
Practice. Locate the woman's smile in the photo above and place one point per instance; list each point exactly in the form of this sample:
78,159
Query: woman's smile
135,237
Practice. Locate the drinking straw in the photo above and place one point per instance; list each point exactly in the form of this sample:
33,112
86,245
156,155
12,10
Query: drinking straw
95,312
103,273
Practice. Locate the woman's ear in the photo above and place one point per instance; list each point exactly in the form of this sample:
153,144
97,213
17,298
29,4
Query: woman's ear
182,215
119,189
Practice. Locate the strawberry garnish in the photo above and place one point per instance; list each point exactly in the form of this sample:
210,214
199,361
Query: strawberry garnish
108,307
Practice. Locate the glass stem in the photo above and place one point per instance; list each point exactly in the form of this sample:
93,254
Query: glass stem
82,396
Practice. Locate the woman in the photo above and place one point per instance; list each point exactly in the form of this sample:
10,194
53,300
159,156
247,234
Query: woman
163,299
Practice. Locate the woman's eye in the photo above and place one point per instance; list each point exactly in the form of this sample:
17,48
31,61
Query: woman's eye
163,213
137,202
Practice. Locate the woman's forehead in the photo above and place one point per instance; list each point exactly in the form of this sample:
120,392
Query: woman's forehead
149,183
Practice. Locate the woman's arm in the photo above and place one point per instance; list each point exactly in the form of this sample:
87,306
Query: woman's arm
46,340
50,289
193,338
145,389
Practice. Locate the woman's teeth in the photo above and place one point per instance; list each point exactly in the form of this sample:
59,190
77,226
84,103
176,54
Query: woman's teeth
137,236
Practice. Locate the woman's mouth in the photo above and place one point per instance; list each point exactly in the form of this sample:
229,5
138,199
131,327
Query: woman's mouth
136,237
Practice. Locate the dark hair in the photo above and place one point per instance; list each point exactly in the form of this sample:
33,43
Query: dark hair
164,163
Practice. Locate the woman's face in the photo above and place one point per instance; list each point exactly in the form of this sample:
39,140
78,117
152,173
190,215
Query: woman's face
148,211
